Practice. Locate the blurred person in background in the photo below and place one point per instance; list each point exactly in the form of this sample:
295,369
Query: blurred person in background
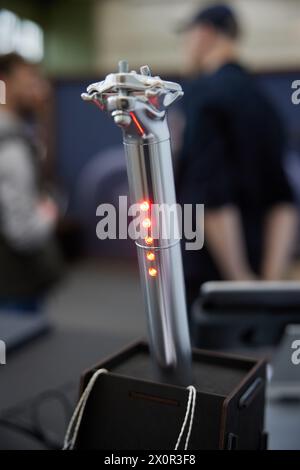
29,259
232,162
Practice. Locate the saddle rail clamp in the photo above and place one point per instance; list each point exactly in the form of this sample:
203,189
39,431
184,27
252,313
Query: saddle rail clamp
138,103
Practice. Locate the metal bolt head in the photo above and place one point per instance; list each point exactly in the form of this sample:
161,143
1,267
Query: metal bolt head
123,66
121,119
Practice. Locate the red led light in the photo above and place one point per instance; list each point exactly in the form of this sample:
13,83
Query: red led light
152,272
144,206
146,223
150,256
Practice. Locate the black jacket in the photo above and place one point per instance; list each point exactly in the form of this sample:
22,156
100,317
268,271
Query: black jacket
233,151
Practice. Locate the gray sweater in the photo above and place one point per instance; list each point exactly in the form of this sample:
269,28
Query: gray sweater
22,224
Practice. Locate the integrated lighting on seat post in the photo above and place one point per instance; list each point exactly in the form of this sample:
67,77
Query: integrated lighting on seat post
146,223
149,240
150,256
144,206
153,272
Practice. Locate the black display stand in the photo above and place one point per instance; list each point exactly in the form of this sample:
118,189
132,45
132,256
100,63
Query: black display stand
127,410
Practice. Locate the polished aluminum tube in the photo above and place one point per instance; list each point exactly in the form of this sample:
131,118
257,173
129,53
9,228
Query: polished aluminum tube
150,174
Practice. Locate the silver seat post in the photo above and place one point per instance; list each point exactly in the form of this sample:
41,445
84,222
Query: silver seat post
138,103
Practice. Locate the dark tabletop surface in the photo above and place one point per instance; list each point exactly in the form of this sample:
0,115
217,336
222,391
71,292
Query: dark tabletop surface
39,385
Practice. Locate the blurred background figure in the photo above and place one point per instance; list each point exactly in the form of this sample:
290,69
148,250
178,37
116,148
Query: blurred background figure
29,258
232,161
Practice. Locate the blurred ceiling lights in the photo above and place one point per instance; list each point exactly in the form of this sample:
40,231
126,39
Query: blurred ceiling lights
20,35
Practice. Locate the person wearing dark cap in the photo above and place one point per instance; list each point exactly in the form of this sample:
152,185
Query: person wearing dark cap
232,161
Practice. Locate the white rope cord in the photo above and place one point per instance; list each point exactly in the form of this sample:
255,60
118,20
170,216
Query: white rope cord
74,425
190,413
75,422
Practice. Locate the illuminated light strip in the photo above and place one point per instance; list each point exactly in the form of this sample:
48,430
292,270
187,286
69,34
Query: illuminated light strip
137,124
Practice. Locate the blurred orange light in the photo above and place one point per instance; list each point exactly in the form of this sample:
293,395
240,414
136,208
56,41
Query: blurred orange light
150,256
144,206
152,272
146,223
149,240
